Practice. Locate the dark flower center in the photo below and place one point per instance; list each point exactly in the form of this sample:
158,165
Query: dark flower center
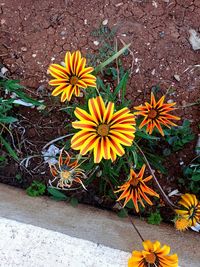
134,181
152,114
73,80
150,258
103,129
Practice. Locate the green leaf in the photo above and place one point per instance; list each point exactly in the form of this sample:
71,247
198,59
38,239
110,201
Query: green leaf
74,202
144,135
122,213
196,177
14,86
56,194
154,218
8,148
7,119
36,189
121,84
110,59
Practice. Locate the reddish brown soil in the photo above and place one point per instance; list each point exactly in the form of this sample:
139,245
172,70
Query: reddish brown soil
36,33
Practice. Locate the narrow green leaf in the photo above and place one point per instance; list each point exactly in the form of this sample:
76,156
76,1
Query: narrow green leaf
122,213
121,84
7,119
74,202
56,194
110,59
8,148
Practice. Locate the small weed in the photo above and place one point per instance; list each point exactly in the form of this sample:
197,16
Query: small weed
191,176
36,189
154,218
179,136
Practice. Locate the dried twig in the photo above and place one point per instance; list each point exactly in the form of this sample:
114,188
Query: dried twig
172,206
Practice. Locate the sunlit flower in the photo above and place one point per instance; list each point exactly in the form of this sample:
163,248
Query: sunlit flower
66,172
153,255
181,224
72,77
103,130
190,209
136,189
155,114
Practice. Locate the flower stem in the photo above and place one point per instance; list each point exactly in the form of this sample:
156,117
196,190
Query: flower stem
167,200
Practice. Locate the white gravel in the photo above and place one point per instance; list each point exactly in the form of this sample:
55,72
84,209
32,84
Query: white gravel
25,245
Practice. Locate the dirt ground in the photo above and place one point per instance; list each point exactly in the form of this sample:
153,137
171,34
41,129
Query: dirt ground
38,32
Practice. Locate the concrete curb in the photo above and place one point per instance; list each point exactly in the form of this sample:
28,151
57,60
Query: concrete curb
26,245
101,227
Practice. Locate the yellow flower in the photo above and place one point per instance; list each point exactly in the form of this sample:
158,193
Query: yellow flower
72,77
155,114
153,255
181,224
136,189
103,130
66,172
191,209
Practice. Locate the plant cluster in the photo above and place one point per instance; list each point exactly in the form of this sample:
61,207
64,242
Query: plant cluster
108,136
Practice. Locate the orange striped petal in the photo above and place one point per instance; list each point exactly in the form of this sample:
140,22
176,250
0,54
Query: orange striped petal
115,146
97,151
89,144
81,84
58,90
84,124
94,109
68,62
105,147
79,138
56,68
58,82
82,114
108,113
80,67
85,71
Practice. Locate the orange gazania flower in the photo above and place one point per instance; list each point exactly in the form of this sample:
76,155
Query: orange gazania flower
66,172
103,130
72,77
153,255
181,224
190,210
155,114
136,189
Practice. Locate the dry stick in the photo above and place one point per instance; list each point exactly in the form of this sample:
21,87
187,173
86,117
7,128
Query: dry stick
56,139
129,217
172,206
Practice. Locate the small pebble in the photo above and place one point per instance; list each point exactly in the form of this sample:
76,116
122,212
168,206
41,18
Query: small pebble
85,21
194,40
177,77
96,43
105,22
170,101
33,55
4,70
24,49
119,4
3,21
